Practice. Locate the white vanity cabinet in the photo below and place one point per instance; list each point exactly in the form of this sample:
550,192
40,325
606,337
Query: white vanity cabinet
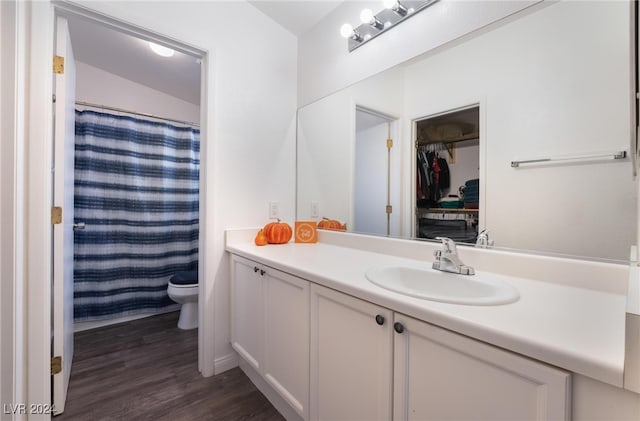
351,358
370,363
270,328
440,375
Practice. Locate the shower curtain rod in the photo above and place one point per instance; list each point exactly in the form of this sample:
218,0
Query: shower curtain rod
122,110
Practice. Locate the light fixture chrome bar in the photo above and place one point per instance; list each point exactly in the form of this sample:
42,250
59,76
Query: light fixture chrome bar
607,155
388,19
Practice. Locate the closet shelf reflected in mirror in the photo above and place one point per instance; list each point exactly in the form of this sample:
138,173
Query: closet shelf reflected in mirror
449,127
441,132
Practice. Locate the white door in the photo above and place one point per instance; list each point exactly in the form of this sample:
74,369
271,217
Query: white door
351,358
286,336
440,375
246,310
64,133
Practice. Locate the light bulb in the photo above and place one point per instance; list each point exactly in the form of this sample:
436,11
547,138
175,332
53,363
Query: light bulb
160,50
390,4
366,16
346,30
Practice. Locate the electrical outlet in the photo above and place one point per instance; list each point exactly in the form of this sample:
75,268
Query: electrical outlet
274,210
315,209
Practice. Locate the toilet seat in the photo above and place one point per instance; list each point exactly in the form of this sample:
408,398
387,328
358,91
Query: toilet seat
171,284
182,290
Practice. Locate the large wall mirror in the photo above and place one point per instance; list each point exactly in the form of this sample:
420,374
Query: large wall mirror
554,82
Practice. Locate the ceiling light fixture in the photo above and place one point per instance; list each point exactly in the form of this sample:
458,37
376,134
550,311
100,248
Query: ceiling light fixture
373,25
161,50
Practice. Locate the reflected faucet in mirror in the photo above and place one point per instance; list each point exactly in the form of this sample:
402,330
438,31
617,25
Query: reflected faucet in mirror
483,240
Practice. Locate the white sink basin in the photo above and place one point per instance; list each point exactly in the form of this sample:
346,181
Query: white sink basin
434,285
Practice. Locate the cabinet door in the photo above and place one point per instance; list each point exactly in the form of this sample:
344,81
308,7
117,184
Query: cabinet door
440,375
351,358
246,310
286,334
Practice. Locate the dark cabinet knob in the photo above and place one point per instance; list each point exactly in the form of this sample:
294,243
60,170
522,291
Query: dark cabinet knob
262,272
255,269
398,327
380,319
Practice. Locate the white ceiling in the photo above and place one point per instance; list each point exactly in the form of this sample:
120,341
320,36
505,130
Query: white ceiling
296,16
131,58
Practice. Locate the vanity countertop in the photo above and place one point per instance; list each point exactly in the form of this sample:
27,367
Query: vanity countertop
578,329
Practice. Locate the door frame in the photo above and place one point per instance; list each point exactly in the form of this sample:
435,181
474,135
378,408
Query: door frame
40,17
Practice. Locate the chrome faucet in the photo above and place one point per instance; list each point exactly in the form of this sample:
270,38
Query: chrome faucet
447,259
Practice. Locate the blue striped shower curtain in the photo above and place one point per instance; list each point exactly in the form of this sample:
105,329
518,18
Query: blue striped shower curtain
136,191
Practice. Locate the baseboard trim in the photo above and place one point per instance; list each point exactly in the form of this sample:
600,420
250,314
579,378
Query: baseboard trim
276,400
224,363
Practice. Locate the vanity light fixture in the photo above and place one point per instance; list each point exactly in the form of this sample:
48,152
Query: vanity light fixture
394,12
161,50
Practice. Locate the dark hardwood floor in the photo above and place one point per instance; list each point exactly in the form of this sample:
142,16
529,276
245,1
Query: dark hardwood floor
147,369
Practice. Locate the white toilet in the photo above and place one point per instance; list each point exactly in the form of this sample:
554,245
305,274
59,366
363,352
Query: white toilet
183,289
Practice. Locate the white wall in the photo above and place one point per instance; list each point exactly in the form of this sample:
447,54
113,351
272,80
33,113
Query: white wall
325,65
97,86
326,146
248,152
466,166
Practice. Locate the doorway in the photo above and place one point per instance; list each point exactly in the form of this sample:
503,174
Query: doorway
447,194
119,76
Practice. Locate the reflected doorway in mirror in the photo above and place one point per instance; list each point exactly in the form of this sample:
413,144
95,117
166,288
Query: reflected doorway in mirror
377,174
447,162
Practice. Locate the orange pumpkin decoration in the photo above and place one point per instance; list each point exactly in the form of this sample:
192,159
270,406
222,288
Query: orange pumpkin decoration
331,224
278,232
261,239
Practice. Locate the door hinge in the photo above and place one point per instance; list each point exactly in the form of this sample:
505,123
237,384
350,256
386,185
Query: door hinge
389,143
54,98
58,64
389,209
56,215
56,365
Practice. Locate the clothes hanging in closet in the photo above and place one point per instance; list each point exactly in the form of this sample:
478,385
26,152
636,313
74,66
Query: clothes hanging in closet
432,176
